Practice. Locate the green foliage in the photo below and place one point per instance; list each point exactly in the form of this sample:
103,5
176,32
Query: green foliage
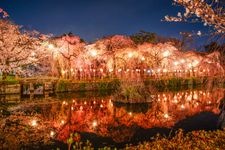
82,86
62,86
115,84
11,79
143,36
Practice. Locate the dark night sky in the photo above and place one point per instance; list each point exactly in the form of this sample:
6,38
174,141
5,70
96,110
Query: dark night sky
92,19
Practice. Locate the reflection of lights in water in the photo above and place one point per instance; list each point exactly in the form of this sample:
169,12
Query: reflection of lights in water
94,123
165,99
175,101
34,123
101,105
195,96
62,122
182,106
52,133
166,116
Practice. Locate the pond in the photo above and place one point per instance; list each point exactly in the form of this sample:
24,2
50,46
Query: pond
97,118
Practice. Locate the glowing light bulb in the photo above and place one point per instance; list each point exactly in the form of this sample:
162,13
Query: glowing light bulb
166,116
94,123
182,106
52,133
34,123
130,54
62,122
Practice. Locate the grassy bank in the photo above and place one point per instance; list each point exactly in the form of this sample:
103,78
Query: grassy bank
204,140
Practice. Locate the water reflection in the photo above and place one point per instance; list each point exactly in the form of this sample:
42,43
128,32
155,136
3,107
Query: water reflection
120,122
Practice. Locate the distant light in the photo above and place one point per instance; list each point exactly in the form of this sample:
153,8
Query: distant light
175,101
166,116
62,122
51,46
130,113
130,54
142,58
110,70
182,61
175,63
182,106
34,123
165,70
93,53
94,123
166,54
52,133
101,105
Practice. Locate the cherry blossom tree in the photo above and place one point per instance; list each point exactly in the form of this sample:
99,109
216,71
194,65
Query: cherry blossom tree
210,12
3,13
68,48
18,49
112,45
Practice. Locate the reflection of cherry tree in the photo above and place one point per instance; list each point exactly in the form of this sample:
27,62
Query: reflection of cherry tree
104,118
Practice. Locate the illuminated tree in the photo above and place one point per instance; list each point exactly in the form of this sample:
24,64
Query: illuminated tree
3,13
18,49
113,45
69,47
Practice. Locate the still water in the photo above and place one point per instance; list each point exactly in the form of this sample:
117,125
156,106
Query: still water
105,122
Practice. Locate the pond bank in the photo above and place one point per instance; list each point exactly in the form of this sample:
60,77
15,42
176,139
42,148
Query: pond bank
62,85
